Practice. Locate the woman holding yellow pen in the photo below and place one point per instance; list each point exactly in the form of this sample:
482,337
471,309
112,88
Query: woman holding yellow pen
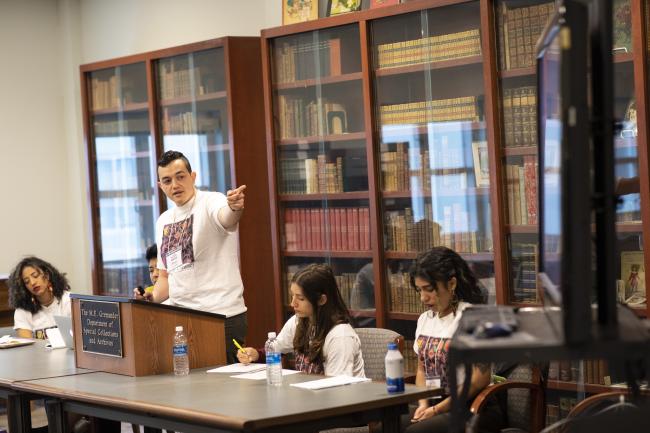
319,334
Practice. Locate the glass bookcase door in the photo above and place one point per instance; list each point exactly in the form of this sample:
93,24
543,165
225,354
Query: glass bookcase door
631,283
519,25
125,180
434,180
322,169
193,114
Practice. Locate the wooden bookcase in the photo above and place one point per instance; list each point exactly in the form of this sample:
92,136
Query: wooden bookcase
198,99
428,146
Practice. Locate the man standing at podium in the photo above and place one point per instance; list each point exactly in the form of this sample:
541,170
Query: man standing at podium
198,247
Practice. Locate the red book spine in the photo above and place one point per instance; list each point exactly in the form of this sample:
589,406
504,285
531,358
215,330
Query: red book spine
354,215
344,230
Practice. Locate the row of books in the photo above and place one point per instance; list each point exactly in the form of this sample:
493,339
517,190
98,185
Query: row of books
520,116
311,175
182,82
439,110
111,93
520,29
332,229
429,49
557,409
402,297
521,182
301,118
410,357
307,60
404,234
126,126
523,268
589,371
346,282
189,123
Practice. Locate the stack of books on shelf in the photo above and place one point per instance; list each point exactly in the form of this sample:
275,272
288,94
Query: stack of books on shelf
331,229
311,176
429,49
590,371
345,281
179,83
522,191
440,110
520,29
111,93
524,273
126,126
410,357
559,408
404,234
520,116
299,118
307,60
189,123
403,298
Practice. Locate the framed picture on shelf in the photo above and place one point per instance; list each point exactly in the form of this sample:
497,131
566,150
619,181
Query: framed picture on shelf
337,7
297,11
481,163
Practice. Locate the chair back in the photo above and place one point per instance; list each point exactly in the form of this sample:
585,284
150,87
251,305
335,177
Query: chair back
374,345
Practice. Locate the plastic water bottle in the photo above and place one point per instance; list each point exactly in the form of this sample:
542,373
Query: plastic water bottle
394,369
181,357
273,361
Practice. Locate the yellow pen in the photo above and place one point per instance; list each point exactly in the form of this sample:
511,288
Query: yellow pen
241,349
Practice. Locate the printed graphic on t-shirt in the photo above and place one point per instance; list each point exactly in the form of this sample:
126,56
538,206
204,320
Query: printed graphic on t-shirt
177,236
304,365
433,354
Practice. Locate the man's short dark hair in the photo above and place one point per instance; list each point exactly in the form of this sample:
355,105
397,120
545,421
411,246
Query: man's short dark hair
152,252
171,156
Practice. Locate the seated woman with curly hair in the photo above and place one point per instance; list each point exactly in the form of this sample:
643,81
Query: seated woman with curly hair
38,292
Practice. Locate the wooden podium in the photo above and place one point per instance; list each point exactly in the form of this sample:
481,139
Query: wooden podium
135,338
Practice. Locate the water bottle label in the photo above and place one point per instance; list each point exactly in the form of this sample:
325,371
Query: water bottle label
395,384
273,358
180,350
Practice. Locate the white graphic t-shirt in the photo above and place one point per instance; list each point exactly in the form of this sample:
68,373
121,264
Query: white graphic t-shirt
201,256
43,318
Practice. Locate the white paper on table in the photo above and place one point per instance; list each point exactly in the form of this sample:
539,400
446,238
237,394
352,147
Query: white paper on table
238,368
259,375
330,382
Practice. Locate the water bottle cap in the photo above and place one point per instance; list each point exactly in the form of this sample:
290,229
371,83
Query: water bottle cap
392,346
179,328
271,334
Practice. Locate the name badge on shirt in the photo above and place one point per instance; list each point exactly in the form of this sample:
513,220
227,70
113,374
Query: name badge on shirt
174,260
433,383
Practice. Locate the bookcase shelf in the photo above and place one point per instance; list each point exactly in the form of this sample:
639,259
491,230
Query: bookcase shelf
328,253
418,68
410,255
333,79
495,91
126,108
396,315
399,131
214,96
183,92
355,195
588,387
518,72
439,193
520,151
350,136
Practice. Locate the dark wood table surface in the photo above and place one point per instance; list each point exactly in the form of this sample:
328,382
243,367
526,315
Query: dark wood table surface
206,401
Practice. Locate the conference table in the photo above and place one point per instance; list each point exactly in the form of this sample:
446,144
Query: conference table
216,402
31,362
